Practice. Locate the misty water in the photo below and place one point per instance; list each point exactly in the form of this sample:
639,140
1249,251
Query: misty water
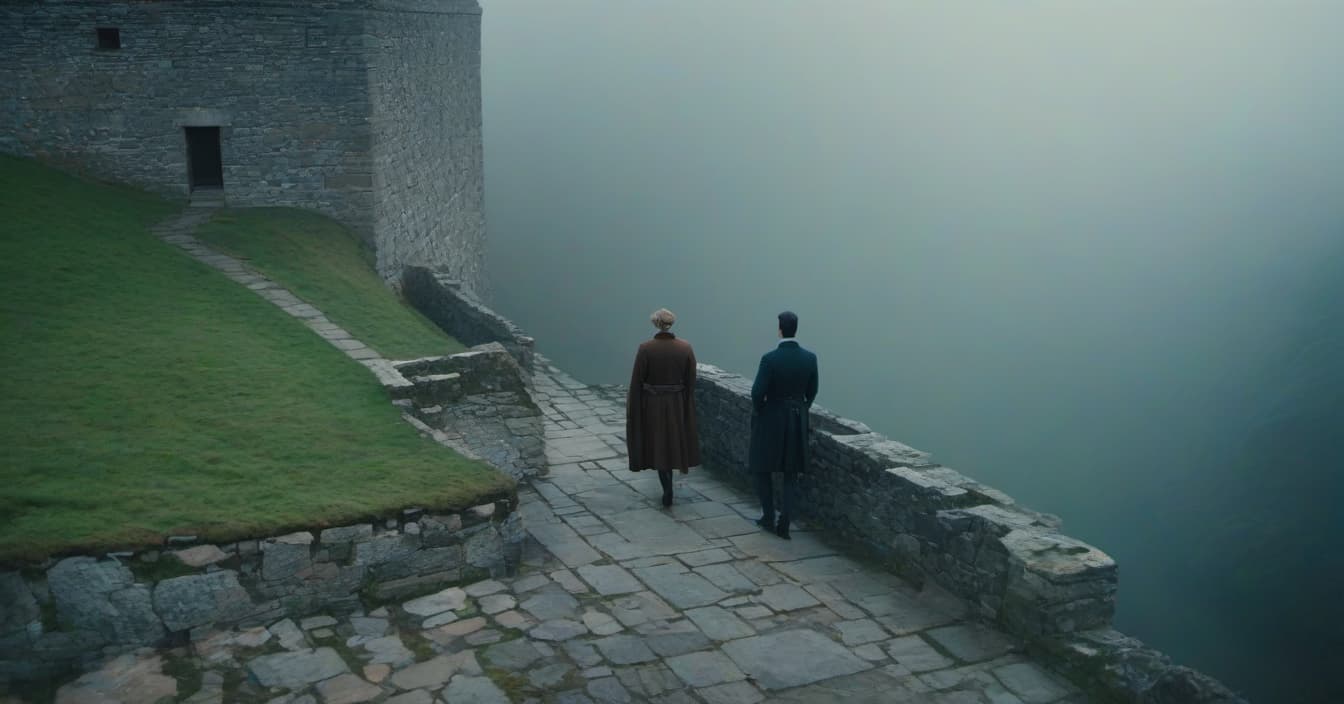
1090,254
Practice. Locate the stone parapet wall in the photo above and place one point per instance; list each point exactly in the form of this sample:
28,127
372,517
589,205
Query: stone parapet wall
74,611
442,299
924,521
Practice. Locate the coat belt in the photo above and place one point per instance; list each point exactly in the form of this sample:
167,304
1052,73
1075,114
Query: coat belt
664,389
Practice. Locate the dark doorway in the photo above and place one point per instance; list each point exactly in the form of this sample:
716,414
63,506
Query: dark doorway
205,169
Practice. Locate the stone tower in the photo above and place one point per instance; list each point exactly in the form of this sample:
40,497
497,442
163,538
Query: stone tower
368,111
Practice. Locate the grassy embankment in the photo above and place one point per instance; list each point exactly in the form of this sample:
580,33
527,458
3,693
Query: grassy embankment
143,394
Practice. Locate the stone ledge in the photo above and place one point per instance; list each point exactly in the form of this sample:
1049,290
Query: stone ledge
462,315
70,611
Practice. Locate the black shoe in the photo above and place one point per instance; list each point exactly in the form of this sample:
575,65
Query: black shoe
782,530
667,500
765,524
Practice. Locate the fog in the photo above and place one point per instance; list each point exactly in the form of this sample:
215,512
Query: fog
1087,253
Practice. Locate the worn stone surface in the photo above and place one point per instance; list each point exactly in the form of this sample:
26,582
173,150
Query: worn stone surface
474,690
431,674
446,600
916,654
125,679
972,642
625,649
347,689
705,669
102,597
196,600
551,604
609,579
792,658
515,655
558,630
294,670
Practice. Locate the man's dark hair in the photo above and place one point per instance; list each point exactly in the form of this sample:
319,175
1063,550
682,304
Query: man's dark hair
788,323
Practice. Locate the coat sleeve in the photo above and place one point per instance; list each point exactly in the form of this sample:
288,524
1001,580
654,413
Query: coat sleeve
634,407
758,388
812,384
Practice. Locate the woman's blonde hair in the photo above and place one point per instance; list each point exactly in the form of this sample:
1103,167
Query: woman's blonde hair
663,319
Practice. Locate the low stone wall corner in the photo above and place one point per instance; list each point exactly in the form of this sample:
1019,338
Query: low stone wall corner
459,313
478,403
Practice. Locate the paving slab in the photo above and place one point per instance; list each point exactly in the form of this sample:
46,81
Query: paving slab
768,547
731,693
676,639
558,630
1032,684
514,655
727,578
551,603
625,649
718,623
636,609
787,597
705,669
916,654
467,689
656,532
561,540
860,632
297,669
723,526
347,689
447,600
610,579
971,642
680,588
792,658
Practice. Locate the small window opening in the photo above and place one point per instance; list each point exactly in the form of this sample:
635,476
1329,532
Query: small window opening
109,38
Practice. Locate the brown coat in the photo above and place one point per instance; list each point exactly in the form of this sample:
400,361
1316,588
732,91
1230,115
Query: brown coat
660,430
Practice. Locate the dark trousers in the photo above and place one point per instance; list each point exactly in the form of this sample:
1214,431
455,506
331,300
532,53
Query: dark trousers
766,490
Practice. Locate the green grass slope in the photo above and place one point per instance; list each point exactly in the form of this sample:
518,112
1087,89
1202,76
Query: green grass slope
325,264
143,394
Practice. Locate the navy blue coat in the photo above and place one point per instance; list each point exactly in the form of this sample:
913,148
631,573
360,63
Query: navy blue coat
781,397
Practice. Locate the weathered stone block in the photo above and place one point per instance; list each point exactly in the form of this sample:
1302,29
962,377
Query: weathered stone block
102,597
18,607
197,600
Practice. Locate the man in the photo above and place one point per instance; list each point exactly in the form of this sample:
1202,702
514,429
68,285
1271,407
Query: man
781,397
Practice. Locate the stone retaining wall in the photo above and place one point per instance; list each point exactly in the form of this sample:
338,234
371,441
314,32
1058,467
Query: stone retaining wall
1013,566
76,610
476,402
443,300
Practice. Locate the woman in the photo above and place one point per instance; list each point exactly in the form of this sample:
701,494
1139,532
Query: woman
660,410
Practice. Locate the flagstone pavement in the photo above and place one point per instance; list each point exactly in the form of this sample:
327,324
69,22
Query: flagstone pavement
620,600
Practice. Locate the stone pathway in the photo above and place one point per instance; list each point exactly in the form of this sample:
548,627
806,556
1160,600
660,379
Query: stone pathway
178,230
616,600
